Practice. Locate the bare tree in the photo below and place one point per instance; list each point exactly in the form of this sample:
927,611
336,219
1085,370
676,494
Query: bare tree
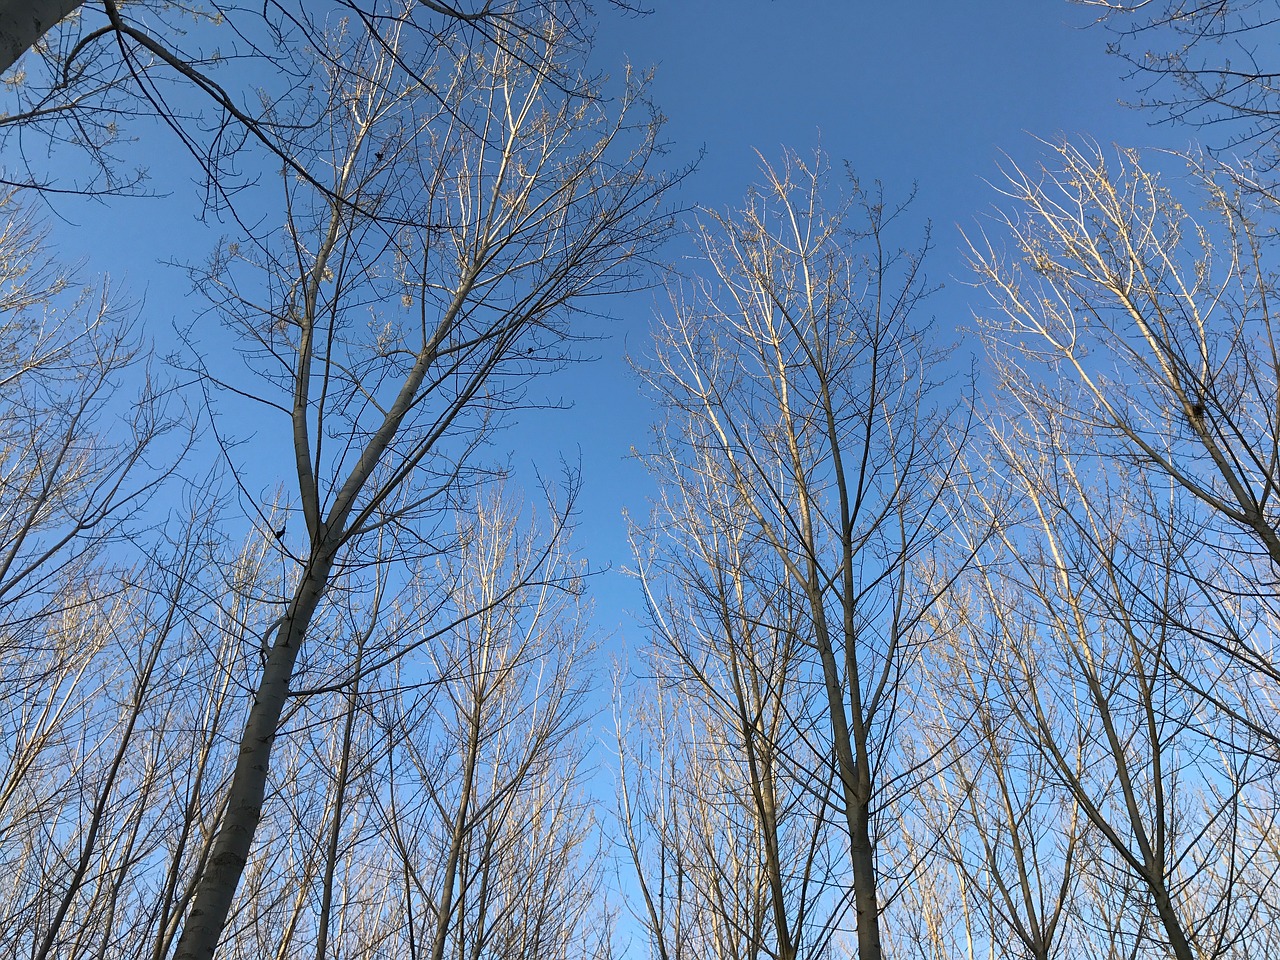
475,193
484,810
392,322
115,719
1160,784
79,459
1153,332
1207,63
796,380
75,458
731,843
438,808
730,798
1132,606
993,809
81,74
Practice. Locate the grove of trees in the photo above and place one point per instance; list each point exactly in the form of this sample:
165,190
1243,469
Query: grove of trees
934,665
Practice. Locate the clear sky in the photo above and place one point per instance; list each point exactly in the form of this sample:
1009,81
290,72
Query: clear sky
924,92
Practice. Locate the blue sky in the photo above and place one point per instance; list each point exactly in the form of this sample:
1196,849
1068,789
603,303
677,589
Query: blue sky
931,93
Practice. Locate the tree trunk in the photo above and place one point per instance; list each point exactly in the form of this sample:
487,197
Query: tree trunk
217,887
1179,946
24,22
854,768
865,902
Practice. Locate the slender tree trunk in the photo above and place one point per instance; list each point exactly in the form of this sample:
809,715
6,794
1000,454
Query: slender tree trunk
1179,946
24,22
862,856
459,830
335,831
217,887
855,783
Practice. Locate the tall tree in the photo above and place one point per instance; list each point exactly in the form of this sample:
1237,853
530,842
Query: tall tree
397,316
1132,607
715,762
796,379
992,813
1153,333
